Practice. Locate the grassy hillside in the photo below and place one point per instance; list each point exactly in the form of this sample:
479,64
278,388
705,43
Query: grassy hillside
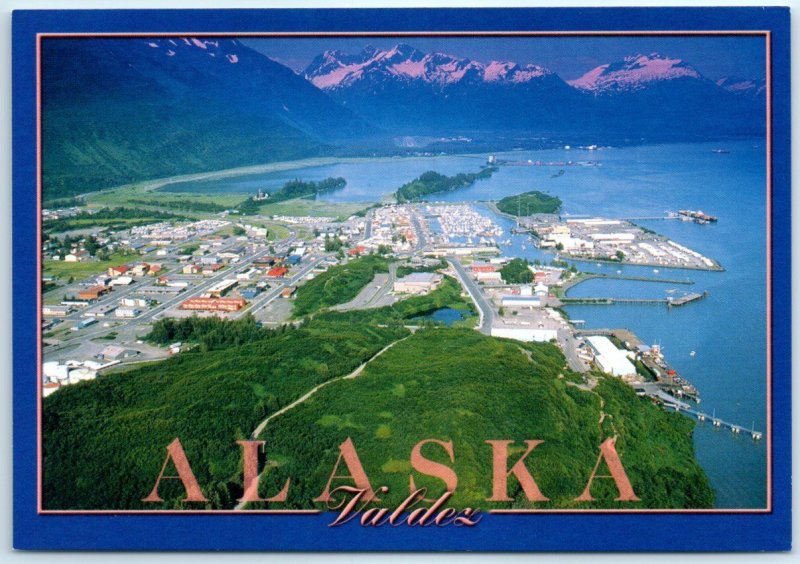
337,285
104,440
529,203
460,386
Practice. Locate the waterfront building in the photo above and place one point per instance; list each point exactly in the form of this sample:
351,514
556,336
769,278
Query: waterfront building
609,358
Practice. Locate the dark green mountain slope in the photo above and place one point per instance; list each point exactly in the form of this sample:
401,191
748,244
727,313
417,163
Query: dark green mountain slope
125,110
105,440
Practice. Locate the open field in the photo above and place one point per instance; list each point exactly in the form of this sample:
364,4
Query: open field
314,208
134,195
64,270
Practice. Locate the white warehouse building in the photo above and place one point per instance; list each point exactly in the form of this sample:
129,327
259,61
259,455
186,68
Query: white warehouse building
525,334
609,358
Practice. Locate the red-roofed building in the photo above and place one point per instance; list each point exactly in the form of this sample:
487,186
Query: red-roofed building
118,270
357,250
214,304
92,293
277,272
484,268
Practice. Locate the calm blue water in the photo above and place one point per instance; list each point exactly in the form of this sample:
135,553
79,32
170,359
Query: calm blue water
366,182
727,329
446,315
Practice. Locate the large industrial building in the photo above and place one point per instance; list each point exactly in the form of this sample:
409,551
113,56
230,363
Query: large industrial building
417,283
525,334
609,358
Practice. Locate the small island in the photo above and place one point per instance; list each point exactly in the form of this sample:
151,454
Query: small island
529,203
432,182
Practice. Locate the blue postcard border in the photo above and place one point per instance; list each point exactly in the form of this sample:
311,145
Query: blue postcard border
533,532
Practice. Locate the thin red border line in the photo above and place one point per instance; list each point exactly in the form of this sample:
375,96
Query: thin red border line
302,34
181,512
768,53
768,57
40,357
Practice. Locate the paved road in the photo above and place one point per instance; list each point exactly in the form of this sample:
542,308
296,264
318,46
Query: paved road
133,324
569,345
267,297
368,225
485,309
120,292
421,238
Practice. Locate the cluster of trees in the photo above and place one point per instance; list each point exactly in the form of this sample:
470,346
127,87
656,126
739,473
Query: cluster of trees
517,271
338,285
58,203
110,218
529,203
333,244
210,333
63,246
293,189
432,182
104,441
185,205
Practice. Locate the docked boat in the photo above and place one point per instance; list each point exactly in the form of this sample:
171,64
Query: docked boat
697,216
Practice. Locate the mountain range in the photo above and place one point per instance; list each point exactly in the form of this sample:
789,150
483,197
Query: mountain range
640,97
125,110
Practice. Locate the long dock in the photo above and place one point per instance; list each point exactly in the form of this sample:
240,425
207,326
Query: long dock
669,302
717,422
593,275
654,390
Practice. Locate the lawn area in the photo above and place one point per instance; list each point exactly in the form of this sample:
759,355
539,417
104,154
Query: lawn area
165,201
314,208
78,270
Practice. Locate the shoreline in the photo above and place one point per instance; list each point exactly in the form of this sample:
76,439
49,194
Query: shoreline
266,168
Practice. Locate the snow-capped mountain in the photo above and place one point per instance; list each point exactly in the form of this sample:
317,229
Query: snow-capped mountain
405,90
334,70
636,72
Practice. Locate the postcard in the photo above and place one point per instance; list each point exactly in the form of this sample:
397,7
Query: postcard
426,279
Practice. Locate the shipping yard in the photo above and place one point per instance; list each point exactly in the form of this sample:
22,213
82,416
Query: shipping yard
615,240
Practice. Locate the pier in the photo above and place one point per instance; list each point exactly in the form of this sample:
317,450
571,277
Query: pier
720,423
584,276
669,302
654,391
